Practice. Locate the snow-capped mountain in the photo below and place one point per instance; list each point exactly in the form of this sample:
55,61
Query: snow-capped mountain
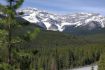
61,22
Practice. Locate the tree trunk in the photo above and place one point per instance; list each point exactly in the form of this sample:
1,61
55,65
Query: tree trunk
10,38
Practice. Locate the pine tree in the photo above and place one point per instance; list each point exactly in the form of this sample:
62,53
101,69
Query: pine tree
9,12
11,24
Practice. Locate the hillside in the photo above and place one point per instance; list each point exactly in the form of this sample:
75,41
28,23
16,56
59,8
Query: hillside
58,39
68,50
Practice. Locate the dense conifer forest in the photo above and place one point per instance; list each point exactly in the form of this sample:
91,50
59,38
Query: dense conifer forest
25,46
49,50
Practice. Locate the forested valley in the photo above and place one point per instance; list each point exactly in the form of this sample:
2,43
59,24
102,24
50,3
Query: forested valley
25,46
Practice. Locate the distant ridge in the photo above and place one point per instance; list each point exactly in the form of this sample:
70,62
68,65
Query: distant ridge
87,21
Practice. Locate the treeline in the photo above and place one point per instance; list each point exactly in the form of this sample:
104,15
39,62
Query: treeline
69,57
55,58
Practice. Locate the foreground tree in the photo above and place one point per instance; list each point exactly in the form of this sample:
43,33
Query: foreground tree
9,22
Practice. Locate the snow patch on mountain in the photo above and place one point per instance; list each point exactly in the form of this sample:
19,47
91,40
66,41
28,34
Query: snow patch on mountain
59,22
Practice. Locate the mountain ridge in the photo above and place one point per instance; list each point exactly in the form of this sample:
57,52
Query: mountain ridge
54,22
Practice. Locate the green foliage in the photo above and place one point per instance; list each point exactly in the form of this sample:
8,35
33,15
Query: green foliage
25,61
33,34
13,41
101,65
5,66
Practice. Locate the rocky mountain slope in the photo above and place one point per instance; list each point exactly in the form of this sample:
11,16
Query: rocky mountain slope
88,21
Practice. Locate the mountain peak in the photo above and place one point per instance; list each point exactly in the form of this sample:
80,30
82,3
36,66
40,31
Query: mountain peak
61,22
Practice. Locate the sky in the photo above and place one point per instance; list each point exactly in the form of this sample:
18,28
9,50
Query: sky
66,6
